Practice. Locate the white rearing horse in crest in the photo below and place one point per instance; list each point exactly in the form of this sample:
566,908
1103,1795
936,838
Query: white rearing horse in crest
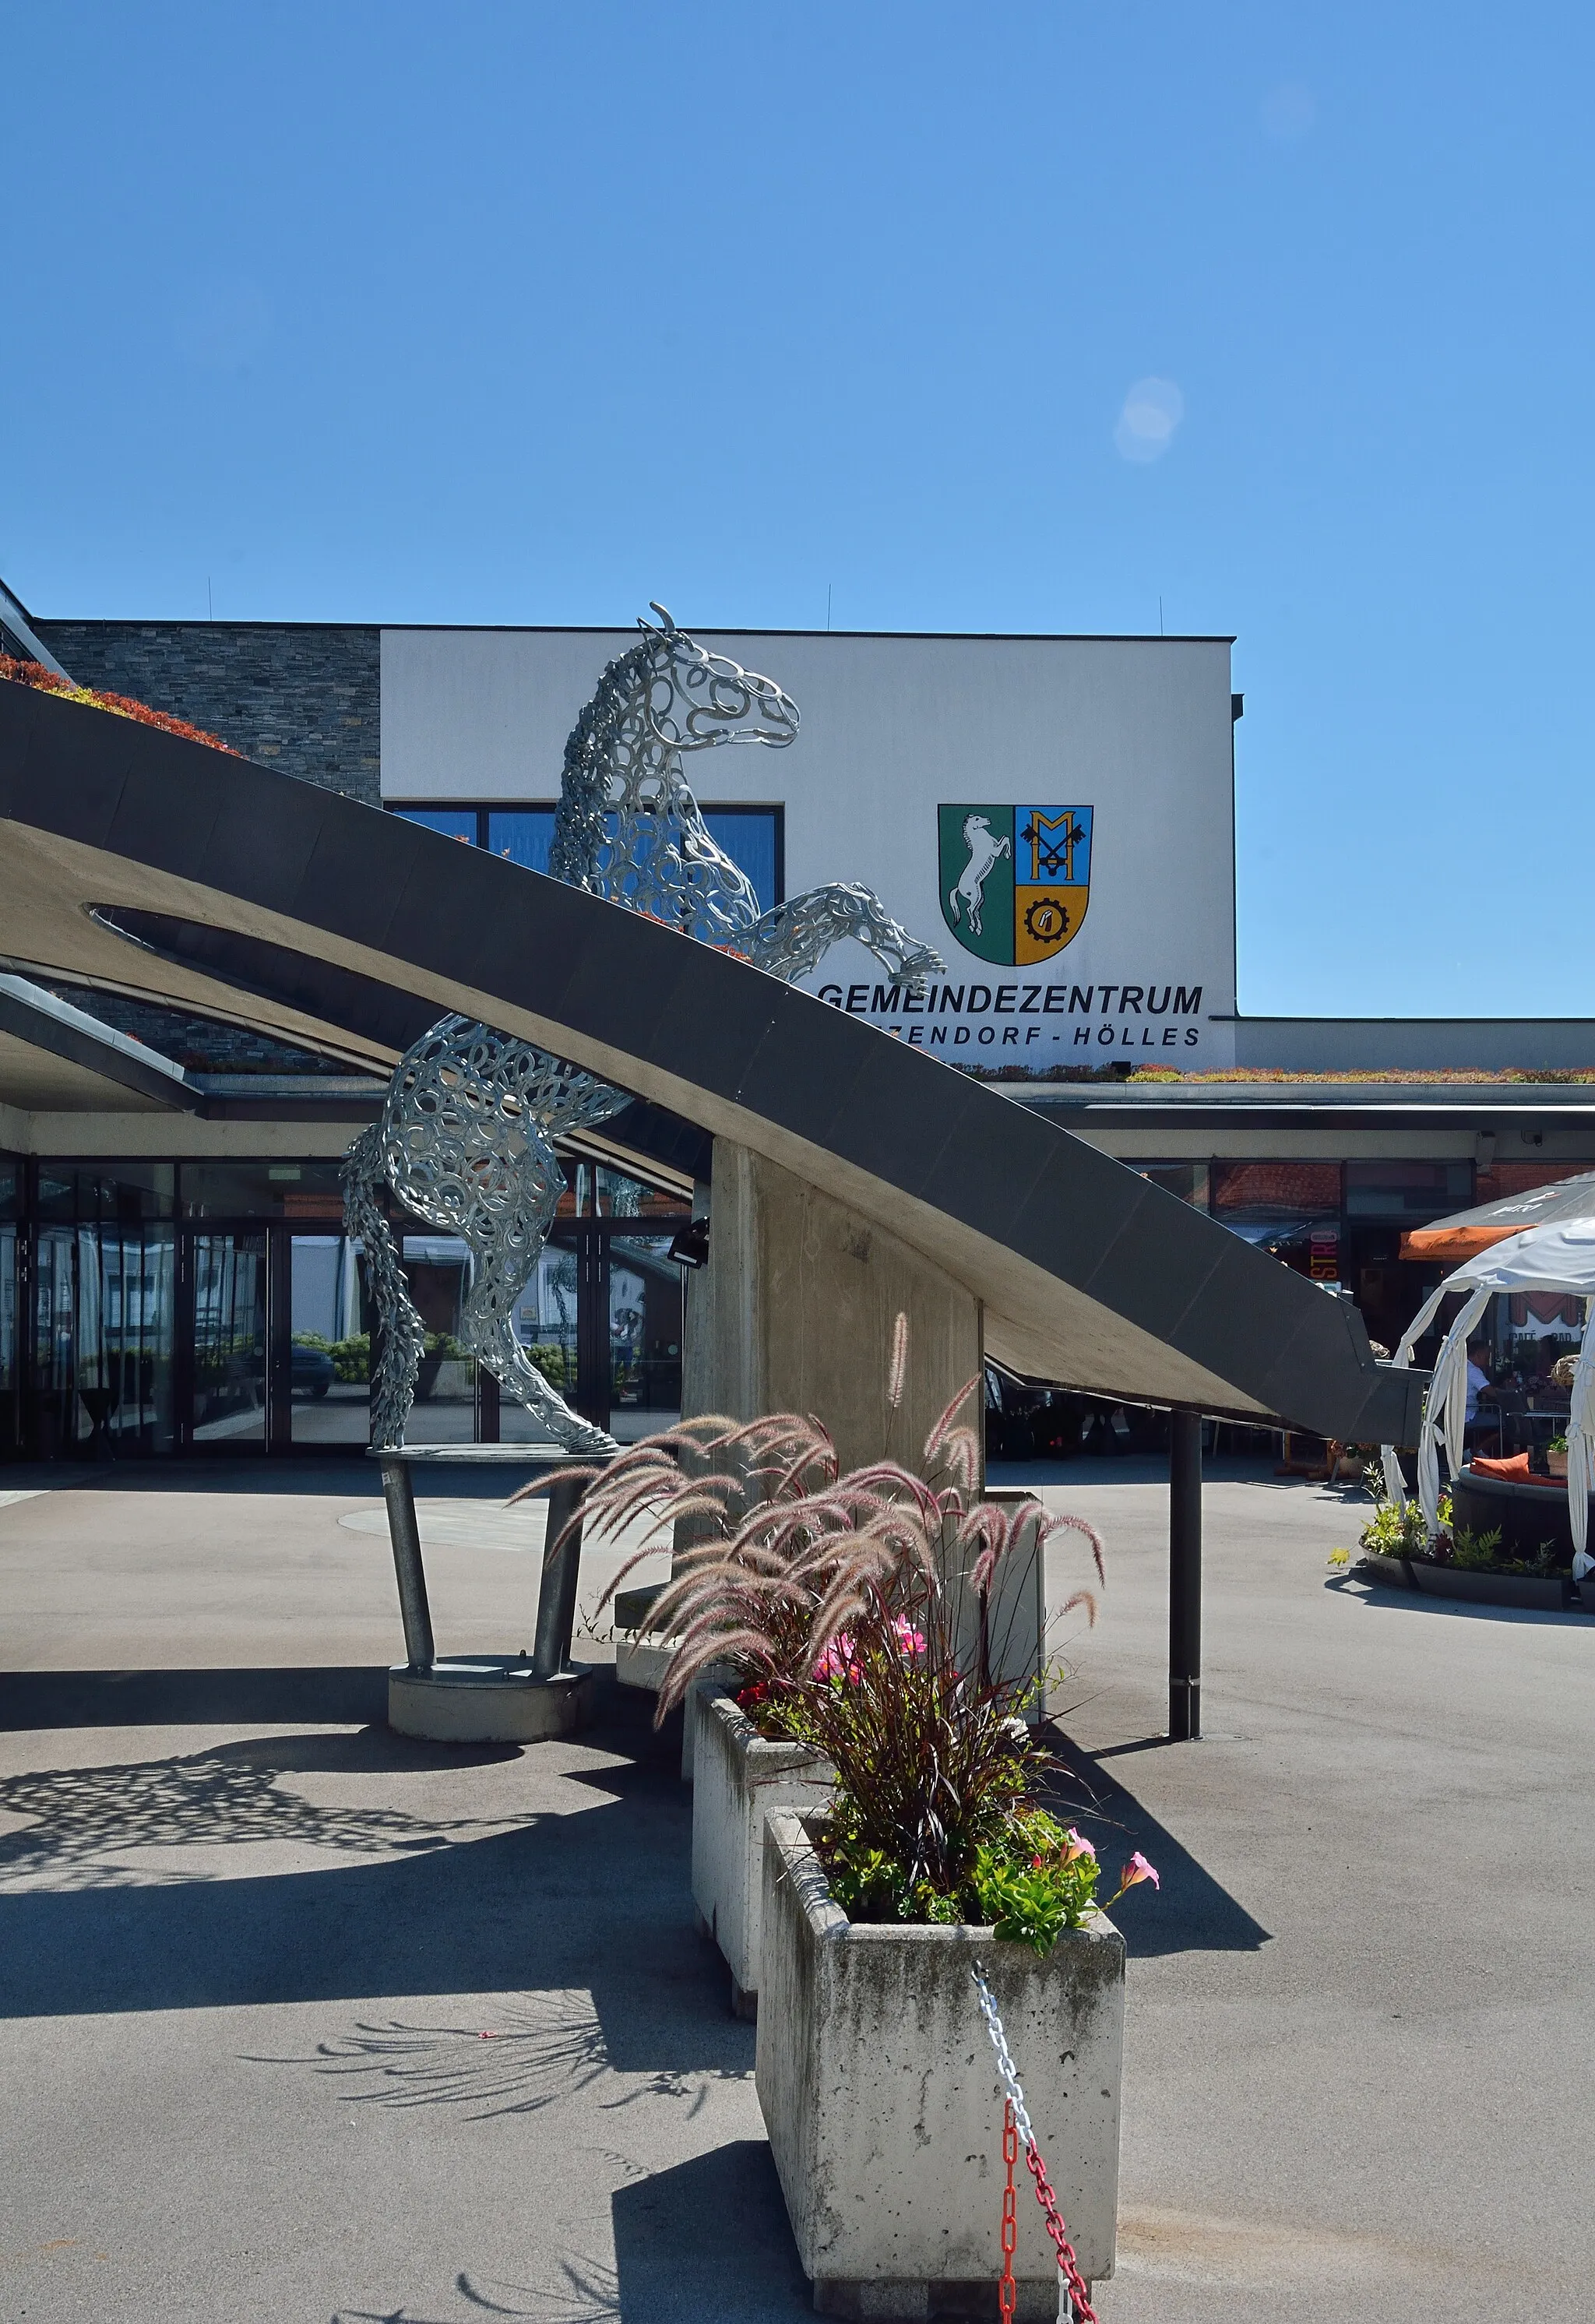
984,850
466,1137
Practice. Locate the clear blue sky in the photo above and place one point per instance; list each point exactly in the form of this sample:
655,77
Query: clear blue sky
530,314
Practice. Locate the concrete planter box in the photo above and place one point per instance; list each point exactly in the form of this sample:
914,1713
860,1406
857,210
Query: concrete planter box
880,2098
739,1776
1395,1571
1551,1595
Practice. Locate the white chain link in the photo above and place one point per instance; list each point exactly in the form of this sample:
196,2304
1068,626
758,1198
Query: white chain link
1007,2070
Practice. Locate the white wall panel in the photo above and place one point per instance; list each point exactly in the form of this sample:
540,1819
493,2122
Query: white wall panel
1138,729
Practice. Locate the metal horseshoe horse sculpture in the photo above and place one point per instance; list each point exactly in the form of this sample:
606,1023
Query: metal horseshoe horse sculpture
466,1138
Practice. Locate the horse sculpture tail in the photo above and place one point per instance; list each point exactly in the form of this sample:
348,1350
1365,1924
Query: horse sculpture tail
794,937
402,1333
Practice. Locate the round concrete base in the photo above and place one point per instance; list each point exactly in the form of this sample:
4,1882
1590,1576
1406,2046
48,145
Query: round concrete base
485,1699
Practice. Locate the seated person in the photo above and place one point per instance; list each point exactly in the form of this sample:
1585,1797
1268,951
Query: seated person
1484,1424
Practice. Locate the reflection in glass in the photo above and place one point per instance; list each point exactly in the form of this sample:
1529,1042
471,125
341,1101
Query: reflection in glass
126,1333
546,1327
10,1344
522,835
329,1335
123,1193
230,1338
620,1196
54,1306
439,1267
645,1336
751,837
271,1190
105,1320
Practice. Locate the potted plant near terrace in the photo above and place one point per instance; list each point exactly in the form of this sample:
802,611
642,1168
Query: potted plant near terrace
932,1855
1459,1561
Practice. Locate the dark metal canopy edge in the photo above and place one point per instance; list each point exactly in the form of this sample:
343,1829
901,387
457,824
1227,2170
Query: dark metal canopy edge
1089,1274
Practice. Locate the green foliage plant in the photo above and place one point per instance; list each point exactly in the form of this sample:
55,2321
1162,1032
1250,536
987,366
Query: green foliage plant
351,1358
548,1357
1396,1529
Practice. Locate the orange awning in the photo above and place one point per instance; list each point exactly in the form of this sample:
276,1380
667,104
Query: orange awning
1452,1245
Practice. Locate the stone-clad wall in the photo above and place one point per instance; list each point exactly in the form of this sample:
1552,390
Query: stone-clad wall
304,696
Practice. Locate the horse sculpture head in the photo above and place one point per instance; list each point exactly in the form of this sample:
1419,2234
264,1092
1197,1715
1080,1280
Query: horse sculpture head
698,700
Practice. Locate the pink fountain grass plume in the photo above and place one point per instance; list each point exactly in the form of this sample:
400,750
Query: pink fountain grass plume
1004,1537
783,1566
954,1448
896,1377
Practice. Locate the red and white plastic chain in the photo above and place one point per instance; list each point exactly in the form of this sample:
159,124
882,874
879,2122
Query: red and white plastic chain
1007,2289
1017,2120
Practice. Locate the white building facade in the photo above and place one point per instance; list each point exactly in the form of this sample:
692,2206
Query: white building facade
1055,815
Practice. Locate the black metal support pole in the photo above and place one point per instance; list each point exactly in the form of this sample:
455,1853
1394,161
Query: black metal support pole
406,1536
556,1605
1184,1576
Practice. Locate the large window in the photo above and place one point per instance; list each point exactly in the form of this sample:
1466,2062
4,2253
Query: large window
755,837
215,1306
104,1308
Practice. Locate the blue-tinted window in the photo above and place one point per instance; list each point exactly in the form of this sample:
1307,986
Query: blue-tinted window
453,822
750,836
523,834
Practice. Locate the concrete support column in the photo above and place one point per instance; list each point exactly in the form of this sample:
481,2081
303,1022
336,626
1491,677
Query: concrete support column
795,1310
1184,1576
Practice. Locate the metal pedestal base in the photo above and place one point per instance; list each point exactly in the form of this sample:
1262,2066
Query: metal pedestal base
483,1698
486,1699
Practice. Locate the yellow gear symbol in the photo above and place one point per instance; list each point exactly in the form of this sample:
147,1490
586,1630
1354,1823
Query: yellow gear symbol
1046,920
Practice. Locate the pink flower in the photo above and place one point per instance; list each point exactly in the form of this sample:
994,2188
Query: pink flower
910,1641
838,1662
1138,1869
1075,1848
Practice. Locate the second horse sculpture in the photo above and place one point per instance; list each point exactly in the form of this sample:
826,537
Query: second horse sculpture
466,1137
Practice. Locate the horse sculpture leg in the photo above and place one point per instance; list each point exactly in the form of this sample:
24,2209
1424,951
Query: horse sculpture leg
401,1333
503,1257
465,1142
792,940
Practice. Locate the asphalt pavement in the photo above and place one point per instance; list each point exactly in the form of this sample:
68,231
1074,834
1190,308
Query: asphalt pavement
302,2020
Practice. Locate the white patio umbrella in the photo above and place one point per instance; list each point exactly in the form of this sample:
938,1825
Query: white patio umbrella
1557,1257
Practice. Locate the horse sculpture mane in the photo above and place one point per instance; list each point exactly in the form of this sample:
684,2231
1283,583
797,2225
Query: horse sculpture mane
466,1137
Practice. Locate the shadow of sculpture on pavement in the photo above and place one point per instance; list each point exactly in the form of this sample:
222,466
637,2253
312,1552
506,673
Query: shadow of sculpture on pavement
85,1822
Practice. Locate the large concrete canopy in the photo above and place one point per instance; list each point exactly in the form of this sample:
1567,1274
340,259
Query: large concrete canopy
257,895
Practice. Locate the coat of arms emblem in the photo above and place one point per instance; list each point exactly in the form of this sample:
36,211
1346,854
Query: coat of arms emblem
1015,880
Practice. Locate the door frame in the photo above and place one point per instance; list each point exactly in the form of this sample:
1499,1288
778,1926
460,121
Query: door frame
590,1239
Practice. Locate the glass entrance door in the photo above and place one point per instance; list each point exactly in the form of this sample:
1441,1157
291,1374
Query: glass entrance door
439,1268
548,1324
230,1309
645,1314
328,1374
